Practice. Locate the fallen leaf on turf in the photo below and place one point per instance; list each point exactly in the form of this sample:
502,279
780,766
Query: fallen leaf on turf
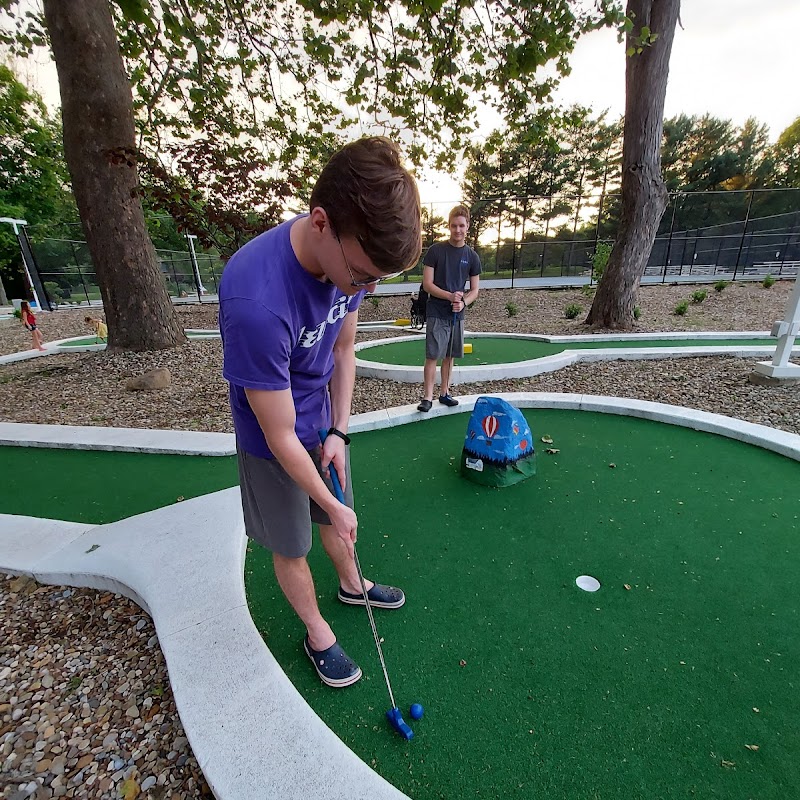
752,747
547,440
93,548
756,709
613,466
181,498
462,663
627,586
552,451
728,763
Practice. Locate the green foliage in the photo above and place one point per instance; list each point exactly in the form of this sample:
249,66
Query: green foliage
512,309
600,259
572,310
238,103
704,153
636,38
699,295
681,308
54,290
720,286
33,176
787,156
375,301
567,153
434,227
587,290
17,313
768,282
637,312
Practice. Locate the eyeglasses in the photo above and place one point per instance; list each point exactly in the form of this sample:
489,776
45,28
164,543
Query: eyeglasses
365,282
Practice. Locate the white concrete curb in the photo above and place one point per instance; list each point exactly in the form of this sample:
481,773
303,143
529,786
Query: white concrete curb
252,732
538,366
132,440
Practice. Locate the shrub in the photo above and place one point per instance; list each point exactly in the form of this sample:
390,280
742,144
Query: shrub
55,291
587,291
699,295
637,312
16,313
681,308
600,259
512,309
374,300
572,310
719,286
768,282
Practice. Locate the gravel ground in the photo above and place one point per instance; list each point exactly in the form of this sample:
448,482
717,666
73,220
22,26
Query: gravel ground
85,704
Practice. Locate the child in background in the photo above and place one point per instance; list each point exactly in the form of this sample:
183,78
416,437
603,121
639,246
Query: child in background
29,321
99,327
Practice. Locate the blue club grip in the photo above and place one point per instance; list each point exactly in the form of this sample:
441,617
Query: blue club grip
337,486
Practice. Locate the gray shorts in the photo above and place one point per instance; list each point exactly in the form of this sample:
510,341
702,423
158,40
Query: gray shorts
277,512
437,338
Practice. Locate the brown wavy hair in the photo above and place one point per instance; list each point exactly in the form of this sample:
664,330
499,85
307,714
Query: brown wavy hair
368,194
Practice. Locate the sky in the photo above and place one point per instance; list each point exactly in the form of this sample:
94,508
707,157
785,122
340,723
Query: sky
732,59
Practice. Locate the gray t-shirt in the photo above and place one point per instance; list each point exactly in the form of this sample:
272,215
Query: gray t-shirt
452,268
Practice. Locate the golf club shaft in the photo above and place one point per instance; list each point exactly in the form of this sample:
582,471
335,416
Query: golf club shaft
374,629
338,491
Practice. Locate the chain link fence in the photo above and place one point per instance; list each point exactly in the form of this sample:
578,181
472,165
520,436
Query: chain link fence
728,234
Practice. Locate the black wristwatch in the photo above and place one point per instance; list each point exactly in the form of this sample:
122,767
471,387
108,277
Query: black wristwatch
336,432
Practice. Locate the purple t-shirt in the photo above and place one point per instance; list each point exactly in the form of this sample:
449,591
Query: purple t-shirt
278,325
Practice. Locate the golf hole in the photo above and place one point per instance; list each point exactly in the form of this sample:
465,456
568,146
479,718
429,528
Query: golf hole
587,583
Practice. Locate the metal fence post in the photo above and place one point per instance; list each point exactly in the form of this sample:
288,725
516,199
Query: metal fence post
514,242
80,273
497,248
744,231
175,275
786,246
195,268
669,241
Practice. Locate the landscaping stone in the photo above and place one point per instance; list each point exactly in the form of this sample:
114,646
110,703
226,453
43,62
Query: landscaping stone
158,378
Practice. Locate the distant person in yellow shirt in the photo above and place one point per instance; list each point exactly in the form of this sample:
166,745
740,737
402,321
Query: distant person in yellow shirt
99,327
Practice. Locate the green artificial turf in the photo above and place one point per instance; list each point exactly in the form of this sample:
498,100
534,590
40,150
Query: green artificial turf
87,340
648,692
503,350
99,486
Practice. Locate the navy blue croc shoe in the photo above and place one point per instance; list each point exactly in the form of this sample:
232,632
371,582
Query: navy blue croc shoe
380,596
334,667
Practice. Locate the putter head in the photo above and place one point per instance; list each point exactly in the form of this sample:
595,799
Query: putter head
398,723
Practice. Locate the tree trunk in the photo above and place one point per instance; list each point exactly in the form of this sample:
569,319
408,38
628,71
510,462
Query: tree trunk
3,295
99,144
644,194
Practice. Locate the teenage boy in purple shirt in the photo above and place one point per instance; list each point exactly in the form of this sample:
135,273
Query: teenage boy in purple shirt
288,312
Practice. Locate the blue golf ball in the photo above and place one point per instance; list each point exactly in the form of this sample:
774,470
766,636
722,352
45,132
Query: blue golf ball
416,711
